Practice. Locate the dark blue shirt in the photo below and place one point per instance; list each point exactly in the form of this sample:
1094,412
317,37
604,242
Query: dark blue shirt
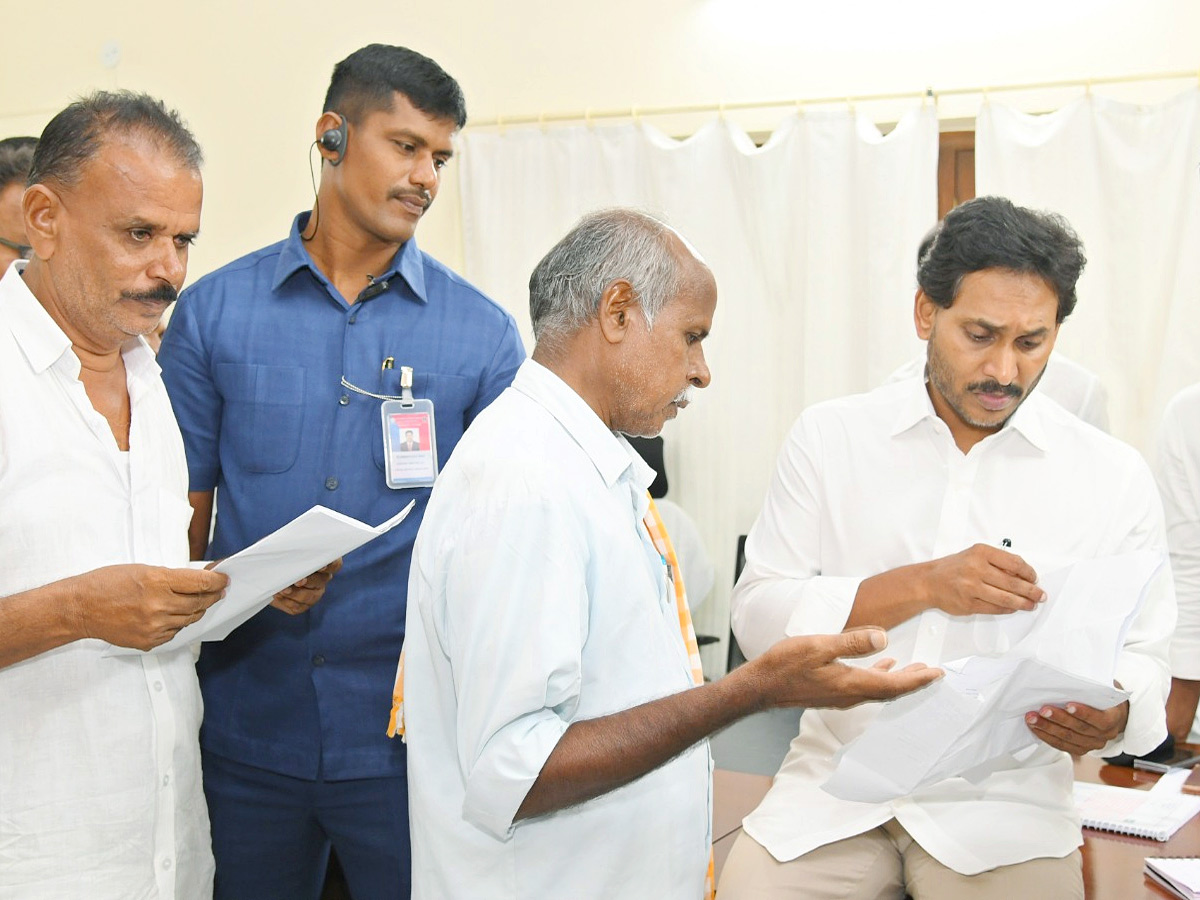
253,362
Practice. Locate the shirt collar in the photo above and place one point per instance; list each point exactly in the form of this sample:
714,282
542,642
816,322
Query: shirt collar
609,452
914,406
44,343
36,333
294,256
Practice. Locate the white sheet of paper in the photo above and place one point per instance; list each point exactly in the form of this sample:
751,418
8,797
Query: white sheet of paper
309,542
972,721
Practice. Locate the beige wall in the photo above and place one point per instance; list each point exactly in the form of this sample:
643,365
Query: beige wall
250,76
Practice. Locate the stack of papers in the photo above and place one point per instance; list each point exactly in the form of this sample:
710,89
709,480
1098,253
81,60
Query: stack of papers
971,722
309,542
1179,875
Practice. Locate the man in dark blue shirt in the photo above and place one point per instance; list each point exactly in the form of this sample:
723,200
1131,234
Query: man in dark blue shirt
277,366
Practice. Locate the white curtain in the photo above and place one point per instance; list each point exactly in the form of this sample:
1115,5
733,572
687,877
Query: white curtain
1128,179
811,238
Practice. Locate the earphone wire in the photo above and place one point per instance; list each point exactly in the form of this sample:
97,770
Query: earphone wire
316,199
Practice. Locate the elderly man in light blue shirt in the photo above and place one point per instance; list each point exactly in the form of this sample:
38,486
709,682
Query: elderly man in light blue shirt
556,741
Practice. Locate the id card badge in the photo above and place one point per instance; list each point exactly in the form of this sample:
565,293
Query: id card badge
409,439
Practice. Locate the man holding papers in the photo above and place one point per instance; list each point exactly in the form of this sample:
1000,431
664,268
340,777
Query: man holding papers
931,507
100,782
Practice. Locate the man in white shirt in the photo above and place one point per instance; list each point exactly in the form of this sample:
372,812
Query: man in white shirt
891,508
556,743
1177,470
100,782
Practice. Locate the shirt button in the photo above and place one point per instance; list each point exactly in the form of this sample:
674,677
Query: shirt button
158,685
331,483
318,660
166,863
344,400
166,780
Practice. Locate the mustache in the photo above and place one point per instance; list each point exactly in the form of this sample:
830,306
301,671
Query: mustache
164,293
995,387
423,195
684,396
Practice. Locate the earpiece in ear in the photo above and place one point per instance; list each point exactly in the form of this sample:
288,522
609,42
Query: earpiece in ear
620,318
334,140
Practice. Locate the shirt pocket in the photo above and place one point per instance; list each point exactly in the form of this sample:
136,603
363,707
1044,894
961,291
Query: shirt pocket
263,416
452,396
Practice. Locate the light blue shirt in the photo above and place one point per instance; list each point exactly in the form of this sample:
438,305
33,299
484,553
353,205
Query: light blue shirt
537,599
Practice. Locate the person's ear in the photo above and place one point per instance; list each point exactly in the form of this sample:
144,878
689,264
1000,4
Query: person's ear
42,210
332,137
924,313
617,310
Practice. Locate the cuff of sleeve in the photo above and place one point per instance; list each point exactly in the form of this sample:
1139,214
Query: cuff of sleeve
203,478
506,770
1147,725
824,606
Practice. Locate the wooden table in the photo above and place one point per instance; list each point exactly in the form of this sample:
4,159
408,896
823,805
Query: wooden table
1112,863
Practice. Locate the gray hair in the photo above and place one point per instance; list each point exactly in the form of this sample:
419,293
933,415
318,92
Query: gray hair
603,247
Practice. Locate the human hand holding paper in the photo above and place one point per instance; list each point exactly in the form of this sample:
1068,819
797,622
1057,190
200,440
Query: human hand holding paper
301,596
1078,728
311,541
974,720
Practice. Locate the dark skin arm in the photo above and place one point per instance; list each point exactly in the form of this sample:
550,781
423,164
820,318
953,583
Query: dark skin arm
1181,707
596,756
979,580
127,605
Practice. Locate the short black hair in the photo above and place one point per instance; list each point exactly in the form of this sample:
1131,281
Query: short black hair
367,80
16,155
74,136
995,233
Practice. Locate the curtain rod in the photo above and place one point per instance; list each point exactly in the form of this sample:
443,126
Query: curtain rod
635,112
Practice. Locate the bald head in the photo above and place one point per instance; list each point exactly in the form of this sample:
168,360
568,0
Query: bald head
605,247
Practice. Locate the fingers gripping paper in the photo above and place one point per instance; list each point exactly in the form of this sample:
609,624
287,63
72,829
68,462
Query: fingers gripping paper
971,722
309,542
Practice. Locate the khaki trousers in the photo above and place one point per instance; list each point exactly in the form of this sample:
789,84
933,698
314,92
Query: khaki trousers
885,863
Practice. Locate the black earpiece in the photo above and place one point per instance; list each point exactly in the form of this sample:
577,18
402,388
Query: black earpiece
334,140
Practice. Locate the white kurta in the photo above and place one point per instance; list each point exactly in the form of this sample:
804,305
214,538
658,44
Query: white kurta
537,599
100,792
868,483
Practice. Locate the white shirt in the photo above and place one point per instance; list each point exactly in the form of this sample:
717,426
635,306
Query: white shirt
1177,468
100,793
1066,382
868,483
690,551
537,599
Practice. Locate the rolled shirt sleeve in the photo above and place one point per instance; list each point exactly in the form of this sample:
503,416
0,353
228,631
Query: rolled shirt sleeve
515,621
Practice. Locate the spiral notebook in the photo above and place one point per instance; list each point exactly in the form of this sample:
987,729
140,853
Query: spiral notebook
1157,813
